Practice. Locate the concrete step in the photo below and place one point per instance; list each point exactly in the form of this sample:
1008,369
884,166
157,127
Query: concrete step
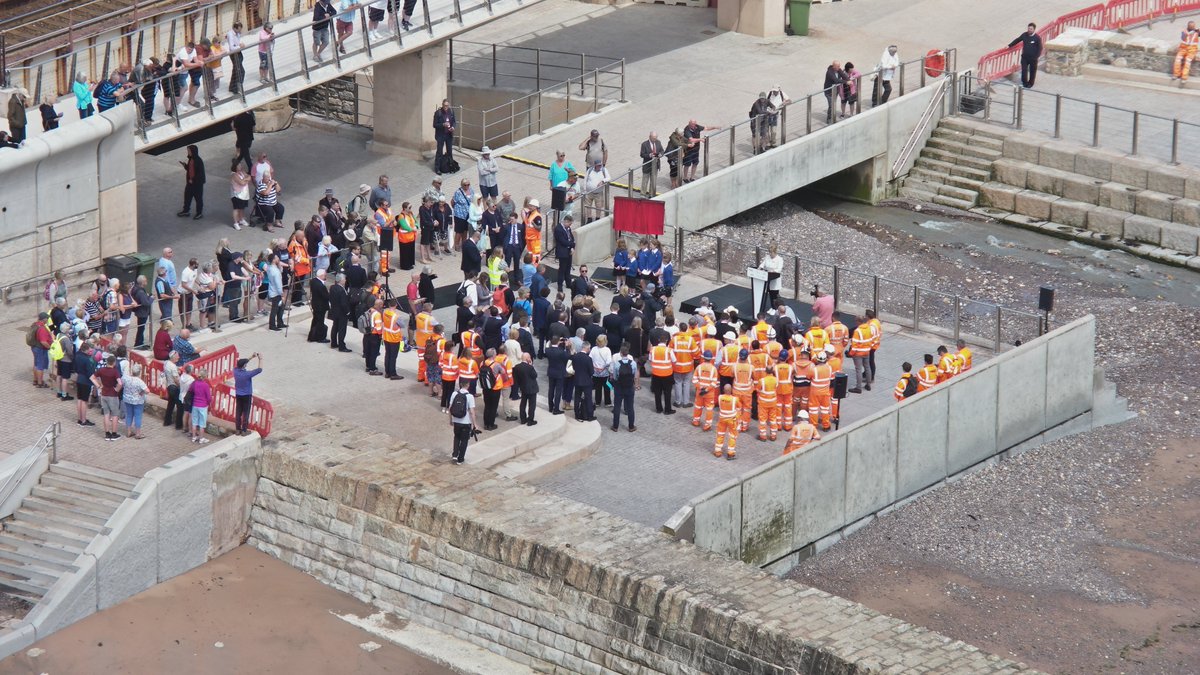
26,589
987,142
577,443
515,440
66,524
939,154
977,163
71,498
93,475
927,176
981,175
934,165
40,576
954,202
85,513
921,186
62,554
86,488
964,183
50,535
959,193
916,194
27,555
964,149
973,127
1142,79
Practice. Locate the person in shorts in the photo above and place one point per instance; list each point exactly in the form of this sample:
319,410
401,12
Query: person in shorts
344,23
85,367
108,381
201,394
266,41
323,13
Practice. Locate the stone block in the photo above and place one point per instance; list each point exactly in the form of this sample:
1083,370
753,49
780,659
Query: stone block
1143,229
1044,179
1107,221
999,195
1167,180
1057,156
820,497
118,220
1129,172
1154,205
971,426
1093,164
870,466
127,557
1191,186
1081,188
719,522
1034,204
1118,196
1069,212
1010,171
185,492
767,513
921,438
1186,212
1023,148
1180,237
1070,363
1022,394
234,475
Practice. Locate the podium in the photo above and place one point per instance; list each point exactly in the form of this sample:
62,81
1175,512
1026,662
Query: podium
758,288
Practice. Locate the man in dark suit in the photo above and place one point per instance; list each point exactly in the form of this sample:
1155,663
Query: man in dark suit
614,326
492,329
339,311
472,260
356,275
564,247
582,284
464,319
525,380
319,296
581,361
556,373
593,330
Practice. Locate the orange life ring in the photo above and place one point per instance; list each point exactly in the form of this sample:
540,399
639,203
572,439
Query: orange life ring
935,63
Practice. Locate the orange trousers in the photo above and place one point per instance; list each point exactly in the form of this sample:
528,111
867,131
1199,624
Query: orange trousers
787,413
768,421
800,398
746,397
727,427
1183,61
819,408
421,364
704,404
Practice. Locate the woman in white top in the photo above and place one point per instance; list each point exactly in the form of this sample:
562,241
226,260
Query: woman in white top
325,251
773,264
476,213
601,361
239,194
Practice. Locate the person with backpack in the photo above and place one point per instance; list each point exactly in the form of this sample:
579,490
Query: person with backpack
62,355
39,339
462,420
493,378
624,375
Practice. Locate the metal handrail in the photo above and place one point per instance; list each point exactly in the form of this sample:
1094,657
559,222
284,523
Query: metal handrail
917,136
47,443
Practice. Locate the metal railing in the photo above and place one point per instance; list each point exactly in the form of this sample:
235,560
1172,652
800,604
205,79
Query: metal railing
47,444
917,137
1088,122
515,66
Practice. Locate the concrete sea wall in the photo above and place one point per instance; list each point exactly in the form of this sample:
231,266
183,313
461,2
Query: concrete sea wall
785,510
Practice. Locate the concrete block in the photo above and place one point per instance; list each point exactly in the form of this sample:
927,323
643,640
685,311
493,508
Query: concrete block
1154,205
15,637
1180,237
999,195
234,477
1093,164
820,497
115,156
184,513
1022,394
871,466
1143,229
1107,221
1057,156
68,179
1070,365
1186,212
1118,196
719,522
1010,171
971,427
1081,188
1129,172
127,557
1069,212
1023,148
767,513
118,220
1191,187
921,442
1166,180
71,598
1034,204
1044,179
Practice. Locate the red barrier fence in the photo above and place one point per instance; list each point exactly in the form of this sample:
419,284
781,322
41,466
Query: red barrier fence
1114,15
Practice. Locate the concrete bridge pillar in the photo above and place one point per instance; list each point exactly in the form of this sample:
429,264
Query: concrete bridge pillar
760,18
408,88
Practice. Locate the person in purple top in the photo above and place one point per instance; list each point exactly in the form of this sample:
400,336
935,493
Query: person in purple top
243,389
201,397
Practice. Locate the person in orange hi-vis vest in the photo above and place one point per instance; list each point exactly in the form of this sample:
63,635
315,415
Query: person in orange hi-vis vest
434,347
301,265
472,342
662,377
745,339
729,357
706,381
803,434
448,363
710,343
468,370
799,344
947,364
839,336
533,231
802,380
760,330
759,360
504,380
373,338
772,348
816,337
687,351
833,358
425,324
393,335
1189,40
743,385
964,356
927,376
783,374
768,407
905,387
860,352
729,413
820,404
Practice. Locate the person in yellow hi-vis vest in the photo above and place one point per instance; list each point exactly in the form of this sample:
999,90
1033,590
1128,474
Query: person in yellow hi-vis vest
729,423
1189,40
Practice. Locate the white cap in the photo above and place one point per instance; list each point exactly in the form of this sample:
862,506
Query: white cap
535,204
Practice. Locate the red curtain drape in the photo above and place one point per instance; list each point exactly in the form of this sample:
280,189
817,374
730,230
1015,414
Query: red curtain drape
639,216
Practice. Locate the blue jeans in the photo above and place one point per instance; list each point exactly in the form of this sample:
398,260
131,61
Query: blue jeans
133,414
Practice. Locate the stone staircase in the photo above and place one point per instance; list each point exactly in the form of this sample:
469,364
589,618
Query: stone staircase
54,524
955,163
527,453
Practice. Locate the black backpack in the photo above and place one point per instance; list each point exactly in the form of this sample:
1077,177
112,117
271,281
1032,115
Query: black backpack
625,373
458,405
910,386
487,376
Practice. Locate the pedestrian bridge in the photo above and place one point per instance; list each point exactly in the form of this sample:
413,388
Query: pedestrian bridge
410,66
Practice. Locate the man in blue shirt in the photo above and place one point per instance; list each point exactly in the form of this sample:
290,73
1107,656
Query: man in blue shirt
275,293
243,390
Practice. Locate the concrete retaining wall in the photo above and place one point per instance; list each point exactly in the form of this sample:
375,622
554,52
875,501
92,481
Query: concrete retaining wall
9,468
68,198
788,509
182,515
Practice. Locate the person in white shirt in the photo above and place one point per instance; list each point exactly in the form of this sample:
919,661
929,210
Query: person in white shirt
570,188
888,63
773,264
595,201
233,42
601,362
187,291
777,98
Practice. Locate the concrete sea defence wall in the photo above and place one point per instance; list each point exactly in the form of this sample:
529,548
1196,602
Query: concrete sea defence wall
786,510
551,583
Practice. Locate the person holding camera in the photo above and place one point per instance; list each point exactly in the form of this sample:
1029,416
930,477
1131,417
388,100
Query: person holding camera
243,389
462,420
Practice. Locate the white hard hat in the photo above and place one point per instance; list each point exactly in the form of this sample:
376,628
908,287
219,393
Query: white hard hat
711,330
771,332
804,414
820,357
534,203
829,350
